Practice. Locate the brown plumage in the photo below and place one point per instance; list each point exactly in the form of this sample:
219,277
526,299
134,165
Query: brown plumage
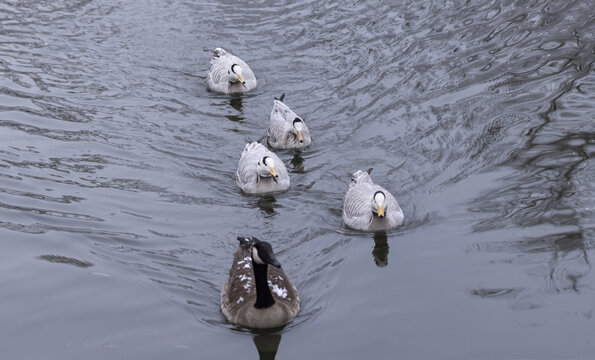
257,295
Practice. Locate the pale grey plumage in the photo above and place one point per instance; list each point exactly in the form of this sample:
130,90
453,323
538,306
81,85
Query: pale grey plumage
221,78
357,208
282,134
239,293
248,178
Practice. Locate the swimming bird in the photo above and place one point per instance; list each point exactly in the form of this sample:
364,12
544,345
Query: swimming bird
368,206
257,295
229,74
286,129
261,171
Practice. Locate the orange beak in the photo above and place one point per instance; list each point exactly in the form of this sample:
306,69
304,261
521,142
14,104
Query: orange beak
273,172
300,137
380,211
241,79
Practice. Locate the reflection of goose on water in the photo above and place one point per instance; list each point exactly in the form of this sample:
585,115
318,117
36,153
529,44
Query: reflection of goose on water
261,171
257,295
267,204
297,163
267,345
229,74
368,206
380,251
286,129
235,101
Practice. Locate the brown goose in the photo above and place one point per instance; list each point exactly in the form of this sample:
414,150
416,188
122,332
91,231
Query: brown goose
257,295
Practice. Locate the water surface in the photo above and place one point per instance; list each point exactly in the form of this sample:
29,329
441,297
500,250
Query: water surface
119,210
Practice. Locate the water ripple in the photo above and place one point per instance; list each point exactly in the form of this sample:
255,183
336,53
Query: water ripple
478,110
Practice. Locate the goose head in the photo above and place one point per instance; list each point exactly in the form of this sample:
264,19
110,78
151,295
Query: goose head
379,204
262,253
235,74
266,168
297,128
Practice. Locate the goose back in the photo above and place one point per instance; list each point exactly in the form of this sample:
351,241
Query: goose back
238,294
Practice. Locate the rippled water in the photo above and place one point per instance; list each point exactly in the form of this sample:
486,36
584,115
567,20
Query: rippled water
119,210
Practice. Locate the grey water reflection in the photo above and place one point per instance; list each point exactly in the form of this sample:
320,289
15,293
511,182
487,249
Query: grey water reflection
267,204
549,193
297,162
236,102
267,345
380,251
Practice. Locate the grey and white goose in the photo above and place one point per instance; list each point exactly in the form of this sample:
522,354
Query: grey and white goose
260,171
286,129
229,74
370,207
257,295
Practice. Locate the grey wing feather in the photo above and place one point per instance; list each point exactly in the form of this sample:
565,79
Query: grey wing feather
248,75
278,127
218,77
394,213
356,208
246,173
283,179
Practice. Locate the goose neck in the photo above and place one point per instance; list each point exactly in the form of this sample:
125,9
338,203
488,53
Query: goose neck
264,298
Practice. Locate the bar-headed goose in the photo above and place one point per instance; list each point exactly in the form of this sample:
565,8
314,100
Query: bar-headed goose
257,295
261,171
368,206
286,129
229,74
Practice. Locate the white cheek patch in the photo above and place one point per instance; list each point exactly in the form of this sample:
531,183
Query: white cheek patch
298,125
270,163
255,256
379,199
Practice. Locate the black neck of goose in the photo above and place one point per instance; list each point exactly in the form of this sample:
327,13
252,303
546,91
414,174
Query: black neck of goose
264,298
